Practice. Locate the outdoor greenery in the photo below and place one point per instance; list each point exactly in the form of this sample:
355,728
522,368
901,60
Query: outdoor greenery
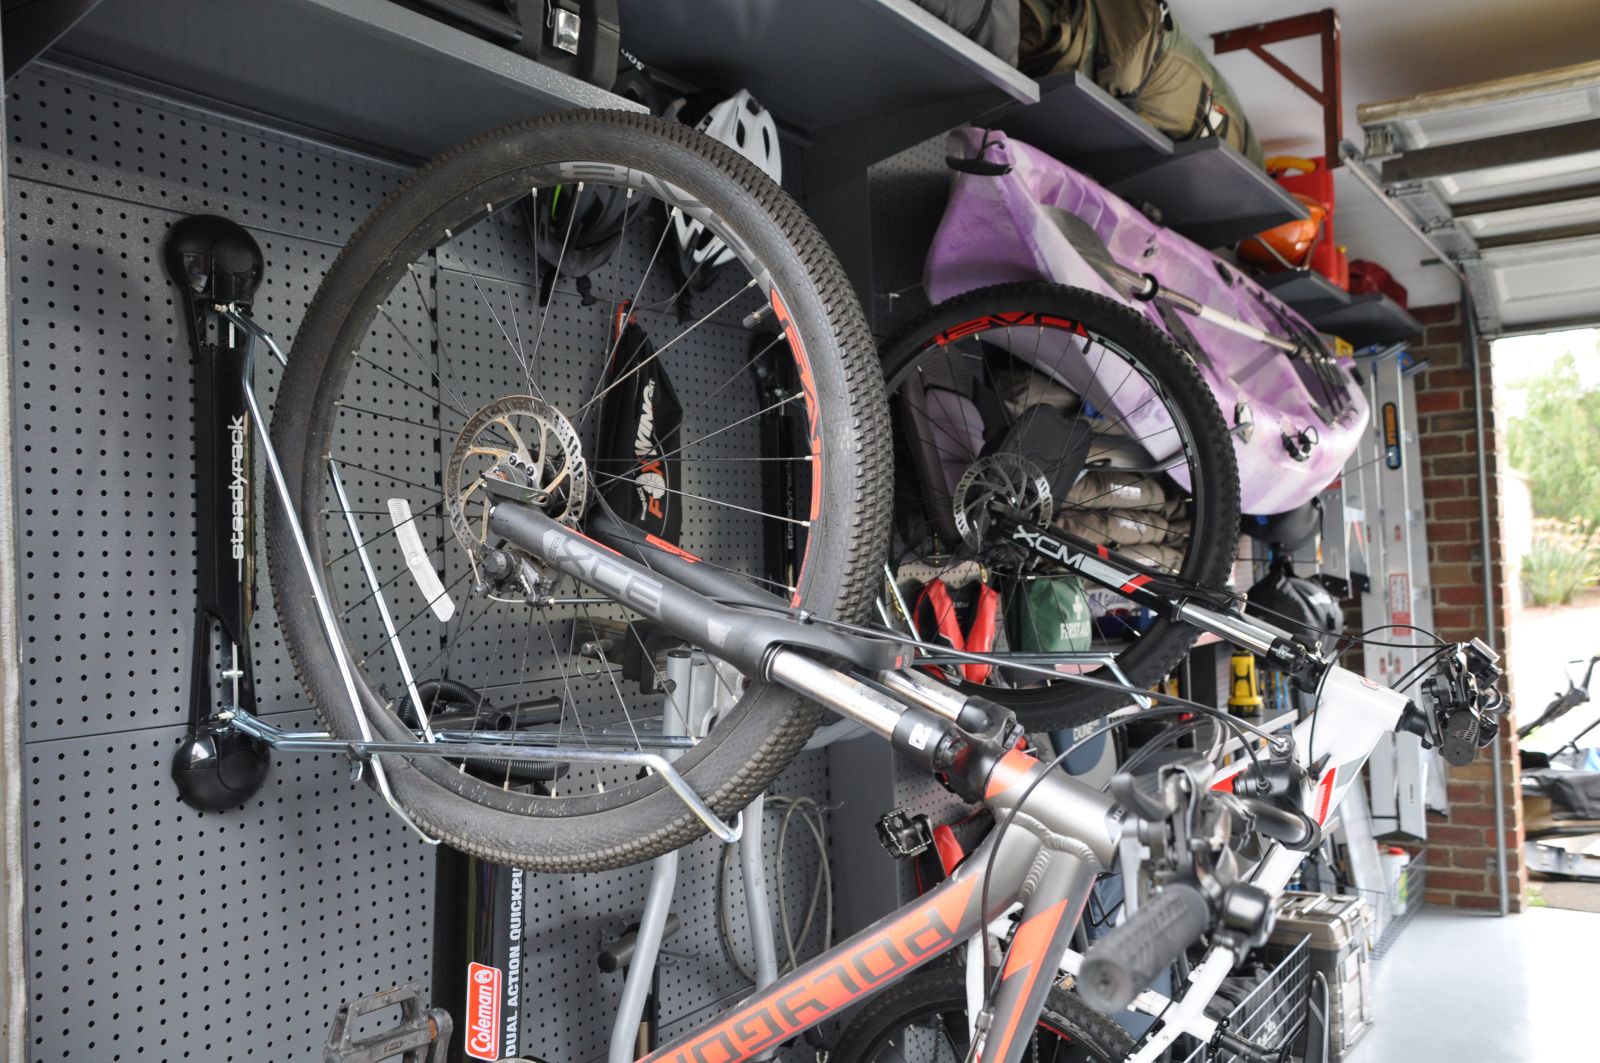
1559,566
1557,443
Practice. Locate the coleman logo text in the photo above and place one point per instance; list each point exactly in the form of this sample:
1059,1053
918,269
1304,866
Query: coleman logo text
483,1012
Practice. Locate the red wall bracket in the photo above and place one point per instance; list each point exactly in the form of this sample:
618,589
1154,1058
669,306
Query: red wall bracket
1323,24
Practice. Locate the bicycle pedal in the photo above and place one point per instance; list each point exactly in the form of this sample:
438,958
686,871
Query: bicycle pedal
904,834
421,1036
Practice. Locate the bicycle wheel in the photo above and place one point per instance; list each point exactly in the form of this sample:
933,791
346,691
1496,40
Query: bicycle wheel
923,1019
443,343
1079,414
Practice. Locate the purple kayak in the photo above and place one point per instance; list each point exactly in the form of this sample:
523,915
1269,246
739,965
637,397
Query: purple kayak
1297,425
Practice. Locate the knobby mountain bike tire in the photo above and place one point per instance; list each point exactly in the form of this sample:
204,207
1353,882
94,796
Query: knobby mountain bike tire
439,307
1003,387
923,1019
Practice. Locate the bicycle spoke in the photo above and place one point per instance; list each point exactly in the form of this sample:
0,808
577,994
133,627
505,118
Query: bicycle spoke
429,488
459,406
616,342
728,427
700,405
613,478
393,417
517,351
661,350
566,686
392,529
566,238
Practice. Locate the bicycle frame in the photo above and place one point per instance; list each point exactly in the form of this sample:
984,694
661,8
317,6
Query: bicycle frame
1050,865
1047,861
1352,714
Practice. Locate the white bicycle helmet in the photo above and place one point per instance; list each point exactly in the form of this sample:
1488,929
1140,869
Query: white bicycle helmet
747,127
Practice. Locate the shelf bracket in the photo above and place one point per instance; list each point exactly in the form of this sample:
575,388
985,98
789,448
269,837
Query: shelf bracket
1323,24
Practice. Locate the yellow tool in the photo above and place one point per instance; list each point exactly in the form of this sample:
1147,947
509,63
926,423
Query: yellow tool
1244,687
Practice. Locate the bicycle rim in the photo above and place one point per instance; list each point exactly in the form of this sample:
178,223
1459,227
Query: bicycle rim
1077,415
449,342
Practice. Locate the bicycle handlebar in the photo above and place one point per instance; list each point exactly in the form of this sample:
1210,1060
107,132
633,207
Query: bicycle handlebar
1125,961
1294,830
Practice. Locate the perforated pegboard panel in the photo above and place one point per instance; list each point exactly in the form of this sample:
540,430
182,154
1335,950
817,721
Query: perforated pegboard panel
155,932
909,191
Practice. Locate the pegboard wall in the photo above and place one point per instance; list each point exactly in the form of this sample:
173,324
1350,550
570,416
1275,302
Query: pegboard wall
155,932
908,191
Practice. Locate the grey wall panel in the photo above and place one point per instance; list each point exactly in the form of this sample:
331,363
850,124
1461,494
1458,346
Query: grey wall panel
155,932
105,468
909,191
75,131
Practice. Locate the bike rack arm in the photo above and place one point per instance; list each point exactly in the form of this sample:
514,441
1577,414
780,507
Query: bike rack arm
503,749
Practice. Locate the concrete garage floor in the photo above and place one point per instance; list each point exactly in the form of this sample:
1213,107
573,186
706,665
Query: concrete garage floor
1458,988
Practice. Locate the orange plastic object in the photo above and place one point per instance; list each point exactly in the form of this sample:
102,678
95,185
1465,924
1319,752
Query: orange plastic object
1289,243
1308,177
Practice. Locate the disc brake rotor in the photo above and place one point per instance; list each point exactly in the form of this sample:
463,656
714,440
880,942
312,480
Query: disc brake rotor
1005,477
520,440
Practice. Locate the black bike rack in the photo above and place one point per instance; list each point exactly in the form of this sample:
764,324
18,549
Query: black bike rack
215,262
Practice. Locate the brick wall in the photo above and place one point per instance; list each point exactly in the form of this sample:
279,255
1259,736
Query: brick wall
1461,849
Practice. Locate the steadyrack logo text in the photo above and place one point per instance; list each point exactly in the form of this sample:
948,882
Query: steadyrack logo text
238,489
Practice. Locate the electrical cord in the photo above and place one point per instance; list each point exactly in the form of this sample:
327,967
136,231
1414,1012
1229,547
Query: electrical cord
811,814
1170,735
822,887
1343,637
1413,675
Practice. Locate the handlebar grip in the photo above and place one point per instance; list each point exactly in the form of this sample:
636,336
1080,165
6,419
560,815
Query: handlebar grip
1125,961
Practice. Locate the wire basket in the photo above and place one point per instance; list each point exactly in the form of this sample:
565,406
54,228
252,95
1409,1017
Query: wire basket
1400,903
1273,1013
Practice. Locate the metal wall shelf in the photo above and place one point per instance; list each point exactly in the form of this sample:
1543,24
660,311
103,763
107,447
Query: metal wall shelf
368,73
1306,290
1080,123
1361,319
863,79
1210,193
1204,189
1368,319
822,63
